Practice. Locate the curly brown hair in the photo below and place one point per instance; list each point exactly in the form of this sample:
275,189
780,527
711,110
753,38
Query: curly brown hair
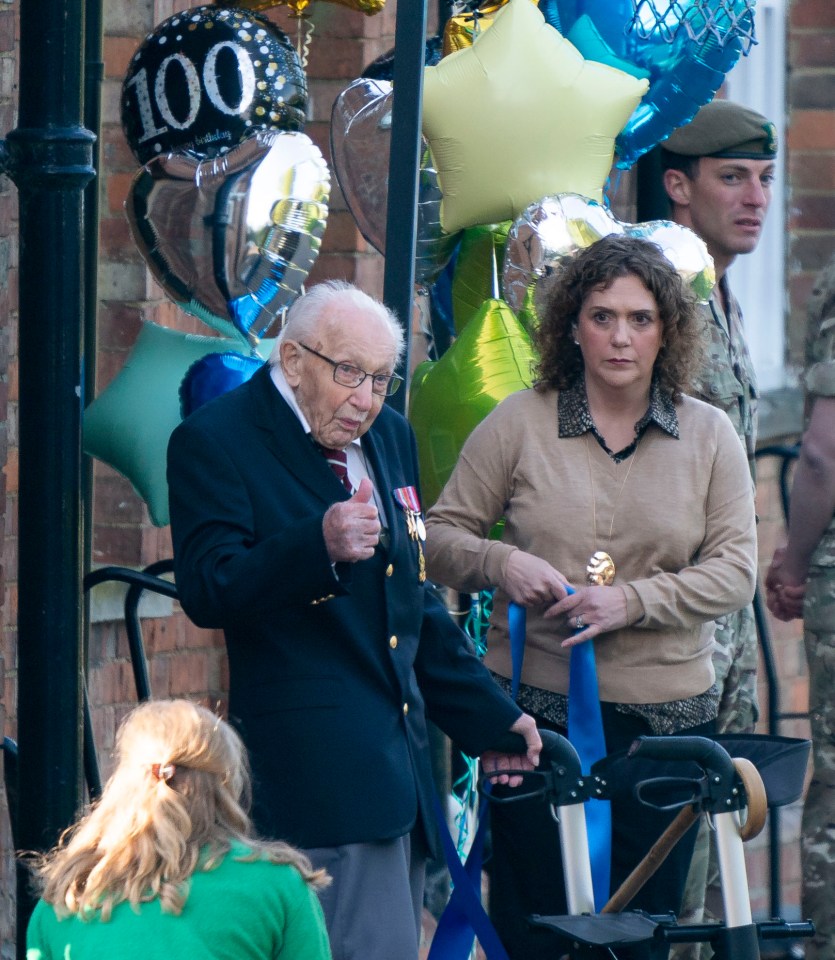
560,298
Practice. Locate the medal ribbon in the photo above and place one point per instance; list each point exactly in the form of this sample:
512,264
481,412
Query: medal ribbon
407,498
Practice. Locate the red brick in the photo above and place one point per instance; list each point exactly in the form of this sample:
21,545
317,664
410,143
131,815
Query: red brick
118,185
116,545
319,133
815,14
116,502
190,673
340,58
116,240
110,362
812,130
159,636
813,212
118,53
342,234
7,30
159,672
112,682
116,154
10,470
119,325
815,49
812,171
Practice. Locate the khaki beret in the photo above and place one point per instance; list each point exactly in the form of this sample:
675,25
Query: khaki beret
725,129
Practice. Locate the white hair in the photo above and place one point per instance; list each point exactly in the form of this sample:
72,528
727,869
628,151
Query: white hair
307,314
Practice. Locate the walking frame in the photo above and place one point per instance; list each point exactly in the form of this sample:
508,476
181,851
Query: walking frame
739,777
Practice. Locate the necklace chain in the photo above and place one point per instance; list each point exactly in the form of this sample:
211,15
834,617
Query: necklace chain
599,557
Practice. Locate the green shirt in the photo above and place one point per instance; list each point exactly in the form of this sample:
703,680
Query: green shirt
239,910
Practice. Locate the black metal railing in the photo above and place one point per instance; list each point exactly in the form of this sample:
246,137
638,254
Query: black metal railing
151,578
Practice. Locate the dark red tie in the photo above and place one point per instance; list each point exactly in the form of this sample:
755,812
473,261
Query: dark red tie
338,462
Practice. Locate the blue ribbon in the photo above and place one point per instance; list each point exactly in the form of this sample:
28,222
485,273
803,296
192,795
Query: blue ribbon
585,733
464,917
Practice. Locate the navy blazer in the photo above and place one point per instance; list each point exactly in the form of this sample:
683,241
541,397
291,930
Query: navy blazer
332,672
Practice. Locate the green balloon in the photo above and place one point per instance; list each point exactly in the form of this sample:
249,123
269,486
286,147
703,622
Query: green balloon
491,359
129,423
478,270
527,311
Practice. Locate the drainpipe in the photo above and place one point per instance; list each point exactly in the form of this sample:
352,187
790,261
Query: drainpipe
49,157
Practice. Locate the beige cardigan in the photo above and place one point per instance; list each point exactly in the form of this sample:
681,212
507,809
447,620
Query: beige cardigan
683,540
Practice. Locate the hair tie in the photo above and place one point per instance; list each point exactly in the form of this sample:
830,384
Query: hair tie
163,771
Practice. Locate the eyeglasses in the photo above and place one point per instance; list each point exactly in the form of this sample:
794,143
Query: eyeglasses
347,375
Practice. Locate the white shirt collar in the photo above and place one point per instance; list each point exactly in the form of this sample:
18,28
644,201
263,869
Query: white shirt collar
286,391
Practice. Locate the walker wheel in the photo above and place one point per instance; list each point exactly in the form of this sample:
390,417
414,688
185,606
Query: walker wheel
755,793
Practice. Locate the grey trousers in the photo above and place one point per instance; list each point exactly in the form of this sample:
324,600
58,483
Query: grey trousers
374,904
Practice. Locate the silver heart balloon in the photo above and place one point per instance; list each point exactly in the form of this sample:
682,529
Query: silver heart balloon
360,142
232,240
554,227
562,225
685,250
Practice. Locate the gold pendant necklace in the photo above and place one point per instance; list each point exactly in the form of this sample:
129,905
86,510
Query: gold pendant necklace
600,570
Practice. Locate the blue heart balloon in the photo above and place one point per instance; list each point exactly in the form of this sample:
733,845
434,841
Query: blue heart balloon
684,48
213,375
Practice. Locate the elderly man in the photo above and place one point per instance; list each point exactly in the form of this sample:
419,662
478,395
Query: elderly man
718,171
296,522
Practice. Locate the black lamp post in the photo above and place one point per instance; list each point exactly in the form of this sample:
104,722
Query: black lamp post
49,157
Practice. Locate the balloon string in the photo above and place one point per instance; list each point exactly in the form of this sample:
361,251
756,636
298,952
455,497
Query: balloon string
304,36
495,268
464,792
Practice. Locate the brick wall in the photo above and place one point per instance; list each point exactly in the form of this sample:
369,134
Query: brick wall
188,661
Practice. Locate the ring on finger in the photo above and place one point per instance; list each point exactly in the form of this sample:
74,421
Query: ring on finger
579,622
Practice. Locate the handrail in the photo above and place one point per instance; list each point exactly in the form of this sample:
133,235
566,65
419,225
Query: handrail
139,581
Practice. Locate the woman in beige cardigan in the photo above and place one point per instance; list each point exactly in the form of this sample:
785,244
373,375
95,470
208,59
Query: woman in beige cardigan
611,480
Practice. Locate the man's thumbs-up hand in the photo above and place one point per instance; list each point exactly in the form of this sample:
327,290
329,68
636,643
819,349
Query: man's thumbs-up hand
352,527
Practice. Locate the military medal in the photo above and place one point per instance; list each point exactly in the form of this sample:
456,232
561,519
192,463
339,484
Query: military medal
407,500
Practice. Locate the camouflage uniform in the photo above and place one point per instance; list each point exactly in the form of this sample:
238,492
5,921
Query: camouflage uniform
724,129
729,383
818,826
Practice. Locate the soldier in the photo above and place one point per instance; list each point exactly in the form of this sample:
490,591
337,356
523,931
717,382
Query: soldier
717,172
801,582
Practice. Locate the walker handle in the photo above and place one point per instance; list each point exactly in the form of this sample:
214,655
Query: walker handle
555,749
709,755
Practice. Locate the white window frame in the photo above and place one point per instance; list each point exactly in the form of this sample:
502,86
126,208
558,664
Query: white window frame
758,279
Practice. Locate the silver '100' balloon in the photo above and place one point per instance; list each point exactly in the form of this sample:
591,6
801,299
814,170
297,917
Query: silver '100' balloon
206,79
232,240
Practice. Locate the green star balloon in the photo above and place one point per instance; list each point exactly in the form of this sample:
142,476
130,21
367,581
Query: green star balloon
449,397
478,270
129,423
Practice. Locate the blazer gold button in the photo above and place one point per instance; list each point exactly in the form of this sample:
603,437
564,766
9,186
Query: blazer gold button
405,709
389,569
393,642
